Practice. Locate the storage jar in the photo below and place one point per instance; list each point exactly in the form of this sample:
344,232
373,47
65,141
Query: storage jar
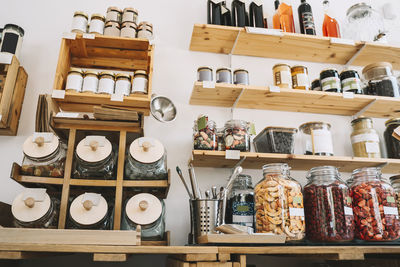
11,39
113,14
74,80
204,74
128,29
112,28
97,22
317,138
224,75
392,144
221,139
282,76
145,25
330,81
237,136
145,31
327,206
316,85
140,82
90,81
374,206
123,84
275,140
381,80
351,82
300,78
106,83
365,139
204,134
79,22
129,15
395,181
241,76
279,203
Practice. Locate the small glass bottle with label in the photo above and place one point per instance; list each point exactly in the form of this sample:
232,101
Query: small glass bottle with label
317,138
365,139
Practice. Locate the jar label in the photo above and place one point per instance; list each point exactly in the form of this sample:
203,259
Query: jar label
390,210
123,87
368,137
322,140
390,199
351,84
74,82
106,85
330,83
96,26
297,200
79,23
308,21
372,147
90,84
348,211
283,77
296,212
243,212
300,80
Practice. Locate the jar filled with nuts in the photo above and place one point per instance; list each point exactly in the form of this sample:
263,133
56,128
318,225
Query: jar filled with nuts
327,205
374,206
204,134
395,180
279,203
237,135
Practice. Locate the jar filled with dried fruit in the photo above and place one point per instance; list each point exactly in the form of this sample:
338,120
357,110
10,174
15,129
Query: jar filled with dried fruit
395,180
374,206
327,205
237,135
279,203
204,134
365,139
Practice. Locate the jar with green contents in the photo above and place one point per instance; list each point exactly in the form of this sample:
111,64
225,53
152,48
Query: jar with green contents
365,139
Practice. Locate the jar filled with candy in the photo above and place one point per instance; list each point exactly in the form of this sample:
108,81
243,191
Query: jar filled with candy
204,134
237,136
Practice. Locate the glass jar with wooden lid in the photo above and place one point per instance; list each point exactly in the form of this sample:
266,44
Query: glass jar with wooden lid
145,32
128,29
381,80
97,23
79,22
317,138
365,139
106,83
74,80
300,78
90,81
123,84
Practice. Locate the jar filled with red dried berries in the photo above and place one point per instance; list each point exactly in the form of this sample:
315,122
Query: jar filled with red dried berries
327,206
204,134
374,206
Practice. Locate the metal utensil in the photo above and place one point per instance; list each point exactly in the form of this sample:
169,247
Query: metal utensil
214,192
195,185
178,170
233,176
221,192
208,194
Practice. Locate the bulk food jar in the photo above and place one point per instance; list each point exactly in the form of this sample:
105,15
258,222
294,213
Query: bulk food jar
395,181
204,134
327,206
89,211
34,208
317,138
374,206
237,136
44,155
147,211
275,140
95,157
279,203
380,79
364,139
392,144
146,159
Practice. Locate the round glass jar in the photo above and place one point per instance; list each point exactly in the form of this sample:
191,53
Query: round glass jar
381,80
392,144
146,160
90,81
44,158
123,84
330,81
282,76
237,136
112,28
351,82
114,14
221,139
145,32
128,29
224,75
374,206
140,82
316,85
241,76
279,203
97,22
205,138
129,15
300,78
106,83
74,80
365,139
79,22
327,206
395,181
95,158
317,138
11,39
147,211
204,74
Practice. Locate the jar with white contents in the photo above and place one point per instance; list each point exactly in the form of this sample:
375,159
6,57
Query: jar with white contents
112,28
97,22
128,29
106,83
74,80
113,14
129,15
90,81
123,84
317,138
140,82
79,22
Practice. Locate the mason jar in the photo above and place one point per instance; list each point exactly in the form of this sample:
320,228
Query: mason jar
365,139
106,83
79,22
145,33
237,136
205,138
381,80
74,80
128,29
123,84
140,82
129,15
112,28
90,81
97,22
113,14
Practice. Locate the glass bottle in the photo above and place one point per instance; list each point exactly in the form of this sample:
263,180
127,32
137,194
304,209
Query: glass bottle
226,18
213,13
365,139
392,144
330,27
306,18
275,19
285,13
256,15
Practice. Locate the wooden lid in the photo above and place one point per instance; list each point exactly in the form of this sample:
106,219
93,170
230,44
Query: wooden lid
99,16
107,73
92,150
28,209
146,150
88,209
114,8
77,70
377,65
143,209
81,13
37,147
91,72
140,72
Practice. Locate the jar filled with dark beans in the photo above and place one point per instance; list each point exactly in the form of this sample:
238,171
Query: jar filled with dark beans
392,144
275,140
381,80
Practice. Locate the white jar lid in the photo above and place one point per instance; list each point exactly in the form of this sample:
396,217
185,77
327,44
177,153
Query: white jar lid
28,209
146,150
88,209
94,148
143,209
40,145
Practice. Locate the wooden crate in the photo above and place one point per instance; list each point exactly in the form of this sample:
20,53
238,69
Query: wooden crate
103,52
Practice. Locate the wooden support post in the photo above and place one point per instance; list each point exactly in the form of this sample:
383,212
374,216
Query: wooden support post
120,180
224,257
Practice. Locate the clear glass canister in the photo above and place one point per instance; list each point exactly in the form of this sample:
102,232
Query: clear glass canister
275,140
114,14
112,28
279,203
327,206
365,139
224,75
395,181
129,15
221,139
95,157
147,211
240,204
128,29
44,157
90,81
392,144
374,206
74,80
241,76
79,22
300,78
381,80
237,136
123,84
317,138
204,134
106,83
204,74
97,22
140,82
282,76
146,160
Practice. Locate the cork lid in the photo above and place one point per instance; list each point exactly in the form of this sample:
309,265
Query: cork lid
31,205
140,72
98,16
107,73
88,208
77,70
81,13
146,150
94,148
143,209
114,8
40,145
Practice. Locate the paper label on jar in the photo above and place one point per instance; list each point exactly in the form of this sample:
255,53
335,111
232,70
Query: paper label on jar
390,210
349,95
38,194
283,77
252,129
117,97
90,35
296,212
348,211
322,141
139,85
96,138
351,84
6,58
390,199
70,115
368,137
372,147
330,83
300,80
92,197
74,82
48,137
106,85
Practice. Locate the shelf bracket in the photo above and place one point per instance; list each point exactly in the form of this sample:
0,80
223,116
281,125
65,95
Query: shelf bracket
358,114
236,102
233,48
351,60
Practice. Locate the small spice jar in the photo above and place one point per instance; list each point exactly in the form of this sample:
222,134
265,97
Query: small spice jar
123,84
224,75
90,81
129,15
74,80
300,78
147,211
204,74
44,156
79,22
114,14
106,83
351,82
97,22
112,28
204,134
381,80
395,181
330,81
365,139
241,76
140,82
237,136
146,26
317,138
392,144
316,85
282,76
128,29
145,30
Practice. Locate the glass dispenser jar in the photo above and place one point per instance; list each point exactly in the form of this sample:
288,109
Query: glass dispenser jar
365,139
95,157
279,203
395,181
392,144
204,134
147,211
44,156
327,205
237,136
374,206
146,160
381,80
317,138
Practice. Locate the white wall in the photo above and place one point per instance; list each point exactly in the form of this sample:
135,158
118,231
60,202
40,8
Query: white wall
174,73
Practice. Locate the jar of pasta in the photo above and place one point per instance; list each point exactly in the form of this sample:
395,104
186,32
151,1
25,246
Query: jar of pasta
365,139
282,76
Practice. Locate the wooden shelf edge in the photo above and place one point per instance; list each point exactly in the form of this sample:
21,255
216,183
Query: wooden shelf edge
21,179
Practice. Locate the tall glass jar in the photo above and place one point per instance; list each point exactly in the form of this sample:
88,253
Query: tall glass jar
365,139
237,136
395,180
240,204
317,138
392,144
279,203
327,205
381,80
204,134
374,206
221,139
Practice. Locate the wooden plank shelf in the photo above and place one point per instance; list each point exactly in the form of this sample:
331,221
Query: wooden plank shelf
290,46
257,97
216,159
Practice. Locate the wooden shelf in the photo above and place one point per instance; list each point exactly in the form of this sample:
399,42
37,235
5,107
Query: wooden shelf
256,97
290,46
216,159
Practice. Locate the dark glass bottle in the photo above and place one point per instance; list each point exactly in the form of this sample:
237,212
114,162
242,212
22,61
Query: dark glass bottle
238,13
256,15
226,15
306,18
213,13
